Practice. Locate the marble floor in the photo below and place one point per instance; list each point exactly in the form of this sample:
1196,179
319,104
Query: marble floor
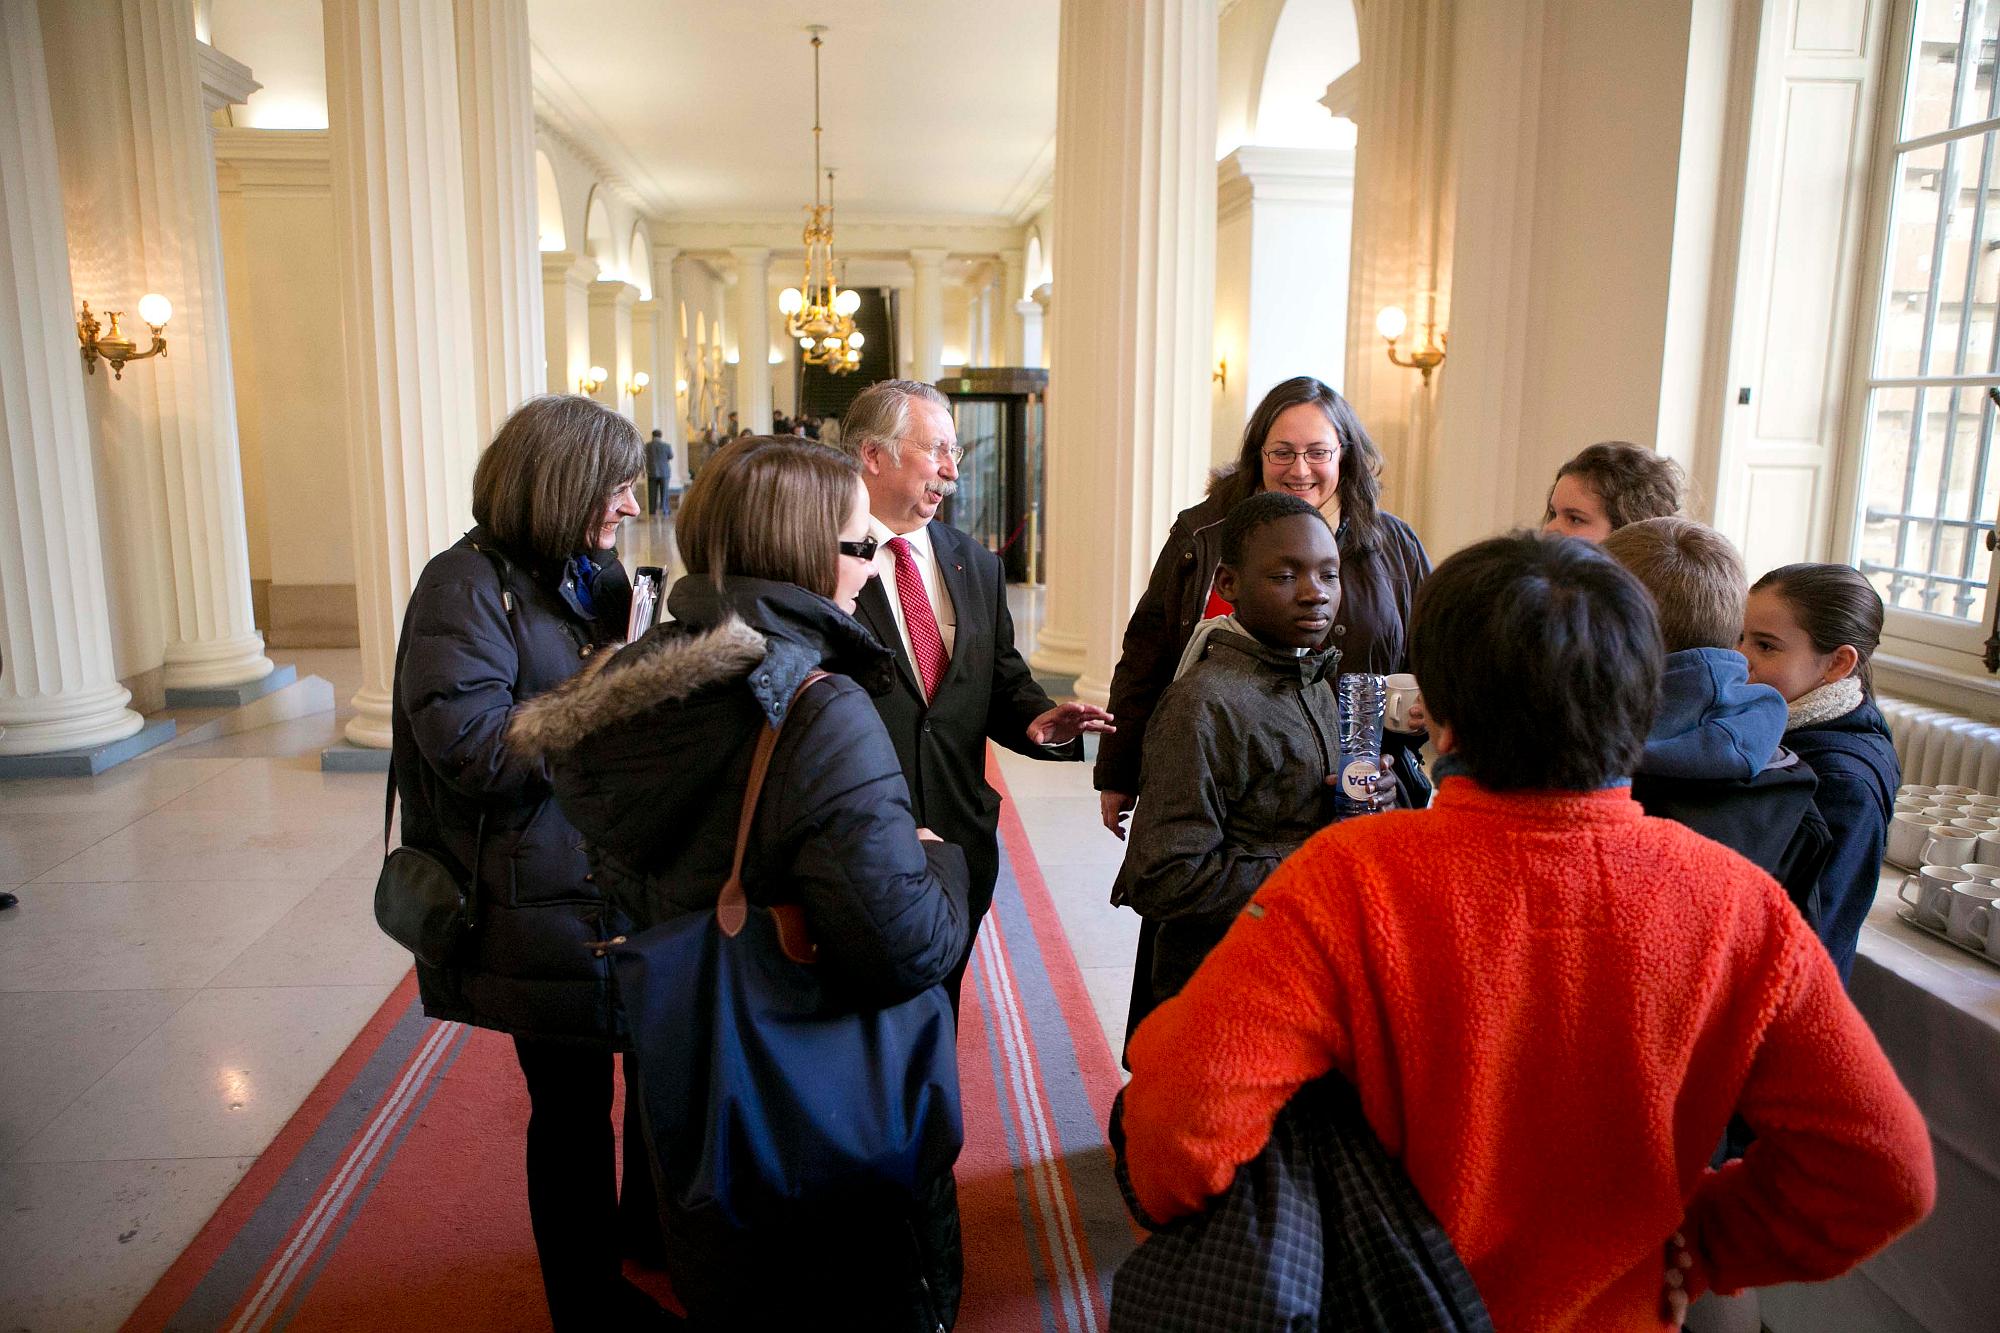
195,946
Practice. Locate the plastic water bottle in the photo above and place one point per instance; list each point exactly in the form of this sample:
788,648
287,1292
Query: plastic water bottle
1361,697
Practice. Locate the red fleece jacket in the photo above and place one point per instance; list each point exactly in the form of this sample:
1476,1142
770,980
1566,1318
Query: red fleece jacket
1551,1004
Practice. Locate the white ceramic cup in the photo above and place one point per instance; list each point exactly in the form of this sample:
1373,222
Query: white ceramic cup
1986,872
1915,789
1945,789
1932,899
1951,847
1907,835
1944,814
1986,922
1965,916
1989,847
1400,694
1911,805
1983,805
1975,825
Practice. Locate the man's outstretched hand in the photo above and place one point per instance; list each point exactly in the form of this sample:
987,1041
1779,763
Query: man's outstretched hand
1065,722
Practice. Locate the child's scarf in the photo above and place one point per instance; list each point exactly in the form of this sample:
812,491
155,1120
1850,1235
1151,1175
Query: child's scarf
1836,698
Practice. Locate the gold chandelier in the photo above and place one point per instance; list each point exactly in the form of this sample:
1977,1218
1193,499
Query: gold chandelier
817,312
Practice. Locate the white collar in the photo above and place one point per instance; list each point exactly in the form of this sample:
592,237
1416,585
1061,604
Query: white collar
920,540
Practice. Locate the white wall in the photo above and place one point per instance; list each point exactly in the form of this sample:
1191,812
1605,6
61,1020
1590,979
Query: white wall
283,43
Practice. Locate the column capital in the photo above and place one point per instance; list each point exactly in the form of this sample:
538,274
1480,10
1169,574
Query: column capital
922,257
574,270
613,292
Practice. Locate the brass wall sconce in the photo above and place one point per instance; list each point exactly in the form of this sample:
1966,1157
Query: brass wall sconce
1221,375
592,380
637,384
1428,356
112,346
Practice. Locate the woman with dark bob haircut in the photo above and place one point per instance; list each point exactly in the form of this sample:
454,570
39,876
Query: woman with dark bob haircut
1550,1004
652,758
510,611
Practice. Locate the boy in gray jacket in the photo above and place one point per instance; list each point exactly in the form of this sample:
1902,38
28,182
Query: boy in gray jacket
1239,750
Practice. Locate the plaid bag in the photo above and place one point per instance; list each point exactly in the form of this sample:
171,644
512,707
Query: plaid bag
1322,1230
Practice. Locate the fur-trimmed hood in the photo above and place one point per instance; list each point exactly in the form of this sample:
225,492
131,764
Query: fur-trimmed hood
668,665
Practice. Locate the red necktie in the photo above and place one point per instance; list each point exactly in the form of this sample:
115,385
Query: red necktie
919,621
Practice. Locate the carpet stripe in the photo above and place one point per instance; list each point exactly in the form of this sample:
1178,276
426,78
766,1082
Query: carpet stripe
337,1190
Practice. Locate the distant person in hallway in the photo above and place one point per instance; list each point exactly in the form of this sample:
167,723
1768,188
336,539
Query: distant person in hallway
510,611
1242,744
734,429
1549,1003
1809,632
940,604
1303,440
652,758
1611,484
659,472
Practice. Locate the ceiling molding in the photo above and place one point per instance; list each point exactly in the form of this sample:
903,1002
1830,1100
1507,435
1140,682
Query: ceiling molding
852,236
1031,194
564,113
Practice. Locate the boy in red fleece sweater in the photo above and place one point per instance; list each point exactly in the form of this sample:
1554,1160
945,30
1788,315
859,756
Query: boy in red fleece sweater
1550,1003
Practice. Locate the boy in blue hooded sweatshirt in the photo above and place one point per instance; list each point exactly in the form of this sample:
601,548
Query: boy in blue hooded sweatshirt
1714,759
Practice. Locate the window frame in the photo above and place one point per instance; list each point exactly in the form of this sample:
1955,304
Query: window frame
1922,639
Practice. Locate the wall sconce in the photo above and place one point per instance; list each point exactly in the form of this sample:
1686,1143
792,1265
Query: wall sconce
637,384
680,388
1427,357
1221,375
593,380
114,347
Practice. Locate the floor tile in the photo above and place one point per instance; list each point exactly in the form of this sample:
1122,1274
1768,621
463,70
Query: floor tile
85,1241
275,843
365,861
1066,830
1111,996
301,736
218,1079
137,935
283,783
55,1044
32,843
329,939
1099,934
134,788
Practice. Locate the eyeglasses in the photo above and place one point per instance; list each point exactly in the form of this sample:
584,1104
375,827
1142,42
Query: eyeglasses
1286,457
862,550
939,451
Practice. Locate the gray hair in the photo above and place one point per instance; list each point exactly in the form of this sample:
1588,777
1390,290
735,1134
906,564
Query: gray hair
880,414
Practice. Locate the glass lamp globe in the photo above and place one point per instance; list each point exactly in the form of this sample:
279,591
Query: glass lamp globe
642,379
155,309
847,302
791,301
1391,322
856,339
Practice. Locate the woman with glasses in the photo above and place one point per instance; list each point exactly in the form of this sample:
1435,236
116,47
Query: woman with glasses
651,759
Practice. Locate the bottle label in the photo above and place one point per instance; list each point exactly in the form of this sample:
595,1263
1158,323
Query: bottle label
1357,778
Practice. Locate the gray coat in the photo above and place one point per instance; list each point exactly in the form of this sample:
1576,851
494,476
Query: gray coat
1233,782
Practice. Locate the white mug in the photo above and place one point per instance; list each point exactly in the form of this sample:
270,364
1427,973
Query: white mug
1961,925
1907,835
1983,805
1951,847
1943,814
1915,789
1399,695
1985,922
1948,790
1933,898
1975,825
1984,872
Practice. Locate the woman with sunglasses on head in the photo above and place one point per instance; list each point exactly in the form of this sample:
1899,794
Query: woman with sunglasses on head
652,760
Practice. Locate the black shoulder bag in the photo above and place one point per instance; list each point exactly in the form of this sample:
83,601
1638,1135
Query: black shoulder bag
423,901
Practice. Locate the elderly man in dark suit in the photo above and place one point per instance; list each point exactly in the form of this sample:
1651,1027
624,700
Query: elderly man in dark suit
940,604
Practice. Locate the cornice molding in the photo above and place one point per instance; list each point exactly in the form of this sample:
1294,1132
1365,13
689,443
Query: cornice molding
225,81
273,162
1032,193
1283,175
566,115
853,237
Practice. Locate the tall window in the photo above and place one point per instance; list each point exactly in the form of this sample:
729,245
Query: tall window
1930,483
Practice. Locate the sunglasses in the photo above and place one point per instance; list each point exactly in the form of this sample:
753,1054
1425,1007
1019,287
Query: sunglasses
862,550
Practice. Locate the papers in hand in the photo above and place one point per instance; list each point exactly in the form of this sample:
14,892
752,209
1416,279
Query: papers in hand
645,601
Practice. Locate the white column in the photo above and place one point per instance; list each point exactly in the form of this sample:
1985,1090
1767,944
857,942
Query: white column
1128,391
611,302
398,192
1012,262
667,348
502,244
57,688
566,280
1402,233
752,318
1028,320
927,314
646,325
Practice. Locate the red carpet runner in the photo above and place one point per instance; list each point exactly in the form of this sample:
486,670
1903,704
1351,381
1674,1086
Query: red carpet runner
395,1198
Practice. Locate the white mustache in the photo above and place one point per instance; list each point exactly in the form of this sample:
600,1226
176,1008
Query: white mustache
942,488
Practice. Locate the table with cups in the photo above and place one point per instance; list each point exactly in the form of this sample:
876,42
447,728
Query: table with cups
1927,978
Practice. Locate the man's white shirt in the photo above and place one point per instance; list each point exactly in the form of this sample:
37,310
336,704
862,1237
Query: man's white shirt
927,565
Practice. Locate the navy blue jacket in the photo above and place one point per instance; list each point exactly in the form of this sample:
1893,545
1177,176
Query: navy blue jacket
1858,776
481,636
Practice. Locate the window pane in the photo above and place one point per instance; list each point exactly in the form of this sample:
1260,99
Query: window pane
1944,64
1961,340
1929,493
1907,282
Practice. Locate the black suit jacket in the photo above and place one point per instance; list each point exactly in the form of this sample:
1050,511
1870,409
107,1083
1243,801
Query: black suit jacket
987,692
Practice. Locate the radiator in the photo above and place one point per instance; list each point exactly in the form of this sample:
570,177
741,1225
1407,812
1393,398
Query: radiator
1939,748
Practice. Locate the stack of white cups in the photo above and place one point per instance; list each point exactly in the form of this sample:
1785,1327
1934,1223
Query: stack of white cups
1950,838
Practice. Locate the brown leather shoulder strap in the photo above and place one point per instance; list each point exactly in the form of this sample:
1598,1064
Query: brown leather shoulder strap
732,908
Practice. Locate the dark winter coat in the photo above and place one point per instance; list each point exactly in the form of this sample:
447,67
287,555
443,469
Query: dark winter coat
1377,588
1858,776
484,633
651,758
1233,783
